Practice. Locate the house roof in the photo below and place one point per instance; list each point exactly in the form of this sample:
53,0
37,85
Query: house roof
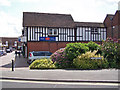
47,20
110,16
89,24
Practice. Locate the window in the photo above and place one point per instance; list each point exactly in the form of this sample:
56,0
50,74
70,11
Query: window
94,31
15,43
6,43
39,54
52,32
48,54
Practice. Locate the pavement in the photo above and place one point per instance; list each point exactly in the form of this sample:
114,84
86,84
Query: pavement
22,72
110,76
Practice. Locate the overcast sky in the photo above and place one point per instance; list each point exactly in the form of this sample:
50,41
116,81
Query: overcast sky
11,11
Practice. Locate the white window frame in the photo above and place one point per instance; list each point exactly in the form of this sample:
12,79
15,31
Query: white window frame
94,31
53,32
15,43
6,43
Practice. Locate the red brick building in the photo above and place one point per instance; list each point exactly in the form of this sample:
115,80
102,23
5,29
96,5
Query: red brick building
10,42
112,22
50,32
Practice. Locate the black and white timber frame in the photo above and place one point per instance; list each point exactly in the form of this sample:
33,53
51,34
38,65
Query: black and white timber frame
79,33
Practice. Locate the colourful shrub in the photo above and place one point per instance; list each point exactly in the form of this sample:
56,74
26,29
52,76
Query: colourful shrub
72,50
94,46
59,57
84,61
42,64
111,51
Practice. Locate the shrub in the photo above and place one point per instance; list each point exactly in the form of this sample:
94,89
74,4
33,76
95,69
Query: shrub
84,61
60,58
42,64
94,46
118,56
111,51
74,49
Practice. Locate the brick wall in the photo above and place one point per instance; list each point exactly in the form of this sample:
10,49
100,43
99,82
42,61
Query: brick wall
11,41
115,32
108,24
47,46
115,19
109,32
116,23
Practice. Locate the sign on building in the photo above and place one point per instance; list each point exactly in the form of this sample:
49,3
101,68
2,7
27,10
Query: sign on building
47,39
23,39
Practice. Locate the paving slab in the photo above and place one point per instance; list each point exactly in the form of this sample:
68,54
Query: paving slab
106,75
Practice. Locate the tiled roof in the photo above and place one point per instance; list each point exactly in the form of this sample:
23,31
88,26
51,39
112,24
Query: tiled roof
47,20
89,24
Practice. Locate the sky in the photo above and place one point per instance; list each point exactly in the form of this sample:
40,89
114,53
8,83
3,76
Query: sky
11,11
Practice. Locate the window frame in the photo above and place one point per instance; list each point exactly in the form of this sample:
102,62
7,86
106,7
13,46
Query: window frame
52,32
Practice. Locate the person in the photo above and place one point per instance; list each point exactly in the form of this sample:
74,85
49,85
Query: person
15,52
19,53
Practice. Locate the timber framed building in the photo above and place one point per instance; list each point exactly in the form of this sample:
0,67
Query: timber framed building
50,32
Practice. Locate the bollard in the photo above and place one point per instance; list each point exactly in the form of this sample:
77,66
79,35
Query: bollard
12,65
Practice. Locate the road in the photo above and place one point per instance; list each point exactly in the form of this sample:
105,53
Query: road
42,84
5,62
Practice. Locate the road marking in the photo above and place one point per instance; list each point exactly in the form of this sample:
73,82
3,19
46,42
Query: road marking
67,83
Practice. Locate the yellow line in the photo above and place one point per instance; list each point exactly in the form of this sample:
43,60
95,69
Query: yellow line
67,83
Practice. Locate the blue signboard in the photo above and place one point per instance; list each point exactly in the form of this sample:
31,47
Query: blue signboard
47,38
19,39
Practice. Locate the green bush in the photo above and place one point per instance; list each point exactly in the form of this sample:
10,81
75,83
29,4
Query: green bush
84,61
42,64
94,46
118,56
74,49
111,51
60,58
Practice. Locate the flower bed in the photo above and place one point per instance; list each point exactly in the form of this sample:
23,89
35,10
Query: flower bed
77,56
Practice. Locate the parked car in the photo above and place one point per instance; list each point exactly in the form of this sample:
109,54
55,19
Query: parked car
8,50
2,52
37,55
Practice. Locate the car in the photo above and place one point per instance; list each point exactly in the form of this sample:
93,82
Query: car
8,50
37,55
2,52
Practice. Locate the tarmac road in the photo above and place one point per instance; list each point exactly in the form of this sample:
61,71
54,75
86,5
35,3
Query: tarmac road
6,60
42,84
